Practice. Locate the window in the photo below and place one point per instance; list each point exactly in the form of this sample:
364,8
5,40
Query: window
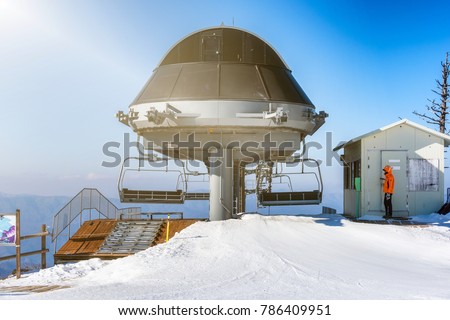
211,48
423,174
351,171
282,86
240,81
197,81
161,84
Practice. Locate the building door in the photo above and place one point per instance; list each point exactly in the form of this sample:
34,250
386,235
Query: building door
397,160
372,183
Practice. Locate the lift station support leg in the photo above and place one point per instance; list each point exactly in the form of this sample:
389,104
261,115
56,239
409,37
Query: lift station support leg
221,186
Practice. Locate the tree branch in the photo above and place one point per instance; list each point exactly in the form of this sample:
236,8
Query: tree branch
424,116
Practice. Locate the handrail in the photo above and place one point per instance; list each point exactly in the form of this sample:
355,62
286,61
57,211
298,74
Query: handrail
86,199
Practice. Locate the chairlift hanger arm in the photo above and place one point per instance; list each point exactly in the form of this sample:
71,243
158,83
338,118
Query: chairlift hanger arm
193,172
267,198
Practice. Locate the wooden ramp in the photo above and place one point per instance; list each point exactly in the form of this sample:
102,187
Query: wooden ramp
86,241
112,239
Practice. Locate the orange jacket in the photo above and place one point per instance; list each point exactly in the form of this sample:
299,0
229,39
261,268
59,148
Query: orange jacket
388,186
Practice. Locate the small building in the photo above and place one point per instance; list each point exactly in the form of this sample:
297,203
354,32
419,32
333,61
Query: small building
416,154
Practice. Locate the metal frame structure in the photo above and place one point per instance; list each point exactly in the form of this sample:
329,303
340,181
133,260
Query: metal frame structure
265,176
87,199
177,196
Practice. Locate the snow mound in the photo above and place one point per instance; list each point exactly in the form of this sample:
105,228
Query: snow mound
434,219
60,273
268,257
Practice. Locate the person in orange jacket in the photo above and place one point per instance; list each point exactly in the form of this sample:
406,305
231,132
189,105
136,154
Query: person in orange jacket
388,189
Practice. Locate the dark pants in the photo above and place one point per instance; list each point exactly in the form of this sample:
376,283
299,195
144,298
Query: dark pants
388,204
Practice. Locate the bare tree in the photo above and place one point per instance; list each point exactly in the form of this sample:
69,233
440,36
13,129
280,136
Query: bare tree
439,109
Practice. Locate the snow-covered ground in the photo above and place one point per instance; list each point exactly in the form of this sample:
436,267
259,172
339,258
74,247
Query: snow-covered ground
268,257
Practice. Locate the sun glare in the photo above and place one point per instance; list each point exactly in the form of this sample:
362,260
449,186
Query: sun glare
14,15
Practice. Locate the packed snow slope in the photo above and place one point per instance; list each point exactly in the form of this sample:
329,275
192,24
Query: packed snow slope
268,257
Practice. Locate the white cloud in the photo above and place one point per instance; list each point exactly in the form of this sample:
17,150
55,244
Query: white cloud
70,177
94,176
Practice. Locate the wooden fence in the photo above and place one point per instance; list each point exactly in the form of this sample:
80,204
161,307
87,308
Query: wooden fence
43,251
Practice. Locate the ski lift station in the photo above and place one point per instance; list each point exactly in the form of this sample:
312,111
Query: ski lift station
221,110
223,97
220,107
415,153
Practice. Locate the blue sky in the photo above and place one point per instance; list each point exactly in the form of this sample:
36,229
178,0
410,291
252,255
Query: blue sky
66,67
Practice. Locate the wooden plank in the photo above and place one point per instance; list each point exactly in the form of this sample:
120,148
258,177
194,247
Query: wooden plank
94,230
80,257
35,235
290,198
88,239
104,228
18,267
37,288
43,247
197,196
24,254
90,247
86,230
152,196
70,247
175,226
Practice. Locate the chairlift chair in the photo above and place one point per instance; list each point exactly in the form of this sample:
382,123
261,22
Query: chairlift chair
196,195
176,196
267,197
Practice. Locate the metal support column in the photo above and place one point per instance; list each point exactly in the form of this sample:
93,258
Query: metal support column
221,187
242,194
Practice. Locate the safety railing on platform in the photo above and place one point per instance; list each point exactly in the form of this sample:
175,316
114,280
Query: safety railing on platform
88,201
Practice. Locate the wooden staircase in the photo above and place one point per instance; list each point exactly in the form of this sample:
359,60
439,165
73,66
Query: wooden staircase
112,239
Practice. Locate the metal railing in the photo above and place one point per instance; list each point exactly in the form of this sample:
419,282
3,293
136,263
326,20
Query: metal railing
86,201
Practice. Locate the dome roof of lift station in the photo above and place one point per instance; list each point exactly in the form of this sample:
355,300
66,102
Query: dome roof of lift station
223,81
222,63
